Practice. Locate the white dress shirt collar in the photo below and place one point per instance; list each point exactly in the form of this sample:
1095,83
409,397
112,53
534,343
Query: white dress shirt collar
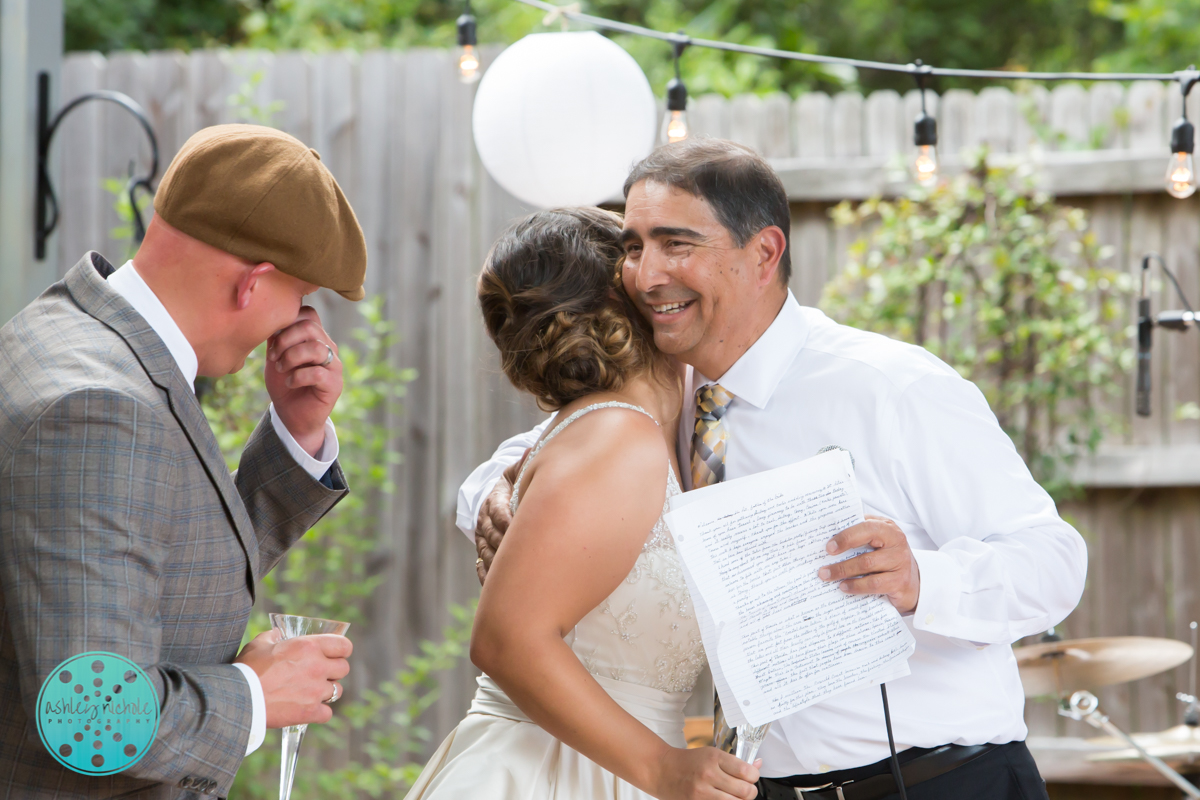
754,376
126,282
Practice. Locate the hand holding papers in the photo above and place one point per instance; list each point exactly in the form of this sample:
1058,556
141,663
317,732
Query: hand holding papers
778,638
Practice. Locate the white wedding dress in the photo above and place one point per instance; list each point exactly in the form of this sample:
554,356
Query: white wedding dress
642,645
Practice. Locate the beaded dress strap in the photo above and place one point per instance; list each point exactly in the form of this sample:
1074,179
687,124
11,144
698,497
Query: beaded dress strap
512,506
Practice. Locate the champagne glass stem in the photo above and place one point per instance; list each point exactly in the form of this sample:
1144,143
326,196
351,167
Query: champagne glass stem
292,736
749,739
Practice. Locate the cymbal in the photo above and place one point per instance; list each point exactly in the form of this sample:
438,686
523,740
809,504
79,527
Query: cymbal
1177,746
1090,663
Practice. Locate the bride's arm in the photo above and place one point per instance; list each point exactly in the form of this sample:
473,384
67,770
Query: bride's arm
585,512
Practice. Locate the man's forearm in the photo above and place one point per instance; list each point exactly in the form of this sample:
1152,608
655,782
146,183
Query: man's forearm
480,483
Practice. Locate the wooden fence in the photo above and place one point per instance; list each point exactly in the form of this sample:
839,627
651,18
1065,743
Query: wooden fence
395,129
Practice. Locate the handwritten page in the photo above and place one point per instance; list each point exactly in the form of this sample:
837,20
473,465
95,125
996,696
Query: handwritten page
778,638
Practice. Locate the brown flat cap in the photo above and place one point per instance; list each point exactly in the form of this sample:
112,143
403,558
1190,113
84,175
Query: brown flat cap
260,194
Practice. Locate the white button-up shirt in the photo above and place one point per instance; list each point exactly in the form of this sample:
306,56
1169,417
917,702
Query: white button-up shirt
996,561
129,284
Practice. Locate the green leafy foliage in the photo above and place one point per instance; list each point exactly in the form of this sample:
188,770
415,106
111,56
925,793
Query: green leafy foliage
329,574
1159,35
1019,34
106,25
1009,288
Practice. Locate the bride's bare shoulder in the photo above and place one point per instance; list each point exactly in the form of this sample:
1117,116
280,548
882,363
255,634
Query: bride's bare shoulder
607,450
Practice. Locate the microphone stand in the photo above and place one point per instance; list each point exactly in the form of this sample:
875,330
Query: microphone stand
1084,707
1177,320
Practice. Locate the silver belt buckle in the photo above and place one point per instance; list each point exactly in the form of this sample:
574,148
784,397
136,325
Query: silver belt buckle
801,790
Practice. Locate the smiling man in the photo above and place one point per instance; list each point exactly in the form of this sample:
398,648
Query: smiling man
963,541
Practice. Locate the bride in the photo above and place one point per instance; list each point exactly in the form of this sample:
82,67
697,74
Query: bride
585,630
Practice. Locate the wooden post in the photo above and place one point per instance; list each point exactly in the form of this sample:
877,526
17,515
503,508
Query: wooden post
31,36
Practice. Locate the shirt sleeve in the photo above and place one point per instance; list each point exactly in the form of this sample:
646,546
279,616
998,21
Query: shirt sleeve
479,484
318,466
258,702
1006,565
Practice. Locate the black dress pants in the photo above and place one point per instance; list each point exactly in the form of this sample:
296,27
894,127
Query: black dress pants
1007,772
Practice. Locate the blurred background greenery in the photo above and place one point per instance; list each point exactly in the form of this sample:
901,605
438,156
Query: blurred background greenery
1156,35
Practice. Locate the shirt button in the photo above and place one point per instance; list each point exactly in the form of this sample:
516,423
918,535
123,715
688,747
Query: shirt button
929,619
824,768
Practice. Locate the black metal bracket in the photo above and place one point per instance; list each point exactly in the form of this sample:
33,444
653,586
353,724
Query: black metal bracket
46,207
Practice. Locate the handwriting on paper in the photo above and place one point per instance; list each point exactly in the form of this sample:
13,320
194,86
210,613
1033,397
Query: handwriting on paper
778,638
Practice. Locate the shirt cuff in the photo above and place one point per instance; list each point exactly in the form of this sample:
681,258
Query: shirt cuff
316,467
258,704
937,601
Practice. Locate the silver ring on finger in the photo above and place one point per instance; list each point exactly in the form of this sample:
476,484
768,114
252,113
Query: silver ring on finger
337,693
328,360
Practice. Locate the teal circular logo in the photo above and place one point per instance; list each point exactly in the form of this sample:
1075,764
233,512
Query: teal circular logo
97,713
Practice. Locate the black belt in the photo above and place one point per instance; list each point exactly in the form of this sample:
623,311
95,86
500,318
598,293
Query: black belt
927,766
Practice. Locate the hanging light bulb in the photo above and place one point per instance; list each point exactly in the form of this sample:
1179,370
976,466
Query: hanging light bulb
468,59
1181,172
675,122
925,165
1181,176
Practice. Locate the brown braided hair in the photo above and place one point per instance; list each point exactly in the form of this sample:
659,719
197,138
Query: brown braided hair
549,302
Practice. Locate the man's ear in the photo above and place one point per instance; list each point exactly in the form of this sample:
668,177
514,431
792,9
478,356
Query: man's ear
769,245
248,282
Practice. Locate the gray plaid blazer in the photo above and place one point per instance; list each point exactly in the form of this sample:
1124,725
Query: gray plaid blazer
121,529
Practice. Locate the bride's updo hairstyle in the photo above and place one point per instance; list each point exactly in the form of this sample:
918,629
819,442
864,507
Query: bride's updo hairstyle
555,309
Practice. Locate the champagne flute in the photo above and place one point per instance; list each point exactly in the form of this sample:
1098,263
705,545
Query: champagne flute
290,626
742,741
749,739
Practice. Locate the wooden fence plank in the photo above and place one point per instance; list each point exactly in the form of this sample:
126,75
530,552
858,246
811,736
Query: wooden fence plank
1147,131
708,115
77,148
809,245
1183,589
1113,569
884,126
1033,112
125,149
776,125
812,116
1069,116
1107,114
847,125
1150,706
166,75
1181,383
956,123
746,121
290,79
209,86
996,117
456,256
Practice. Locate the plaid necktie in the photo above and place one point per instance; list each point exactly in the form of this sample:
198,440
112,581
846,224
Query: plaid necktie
708,440
708,468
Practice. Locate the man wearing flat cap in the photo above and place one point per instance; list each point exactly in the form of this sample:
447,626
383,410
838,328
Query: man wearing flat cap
124,539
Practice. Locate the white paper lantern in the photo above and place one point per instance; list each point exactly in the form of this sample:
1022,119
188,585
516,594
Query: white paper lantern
560,118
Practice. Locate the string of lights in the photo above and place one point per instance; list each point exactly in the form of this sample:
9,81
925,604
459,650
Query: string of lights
1180,175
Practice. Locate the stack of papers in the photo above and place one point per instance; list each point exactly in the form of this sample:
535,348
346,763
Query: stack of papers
778,638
